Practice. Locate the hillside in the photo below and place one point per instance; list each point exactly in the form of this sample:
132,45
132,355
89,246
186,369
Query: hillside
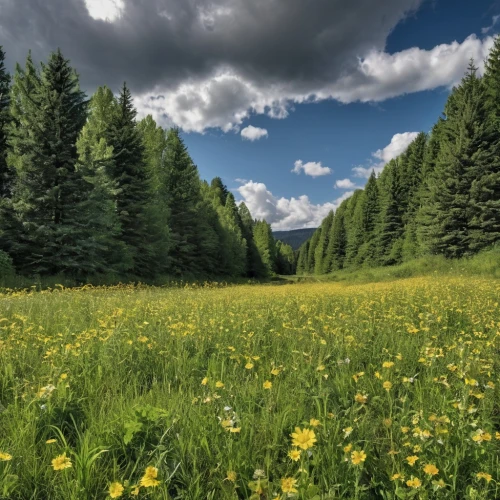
294,238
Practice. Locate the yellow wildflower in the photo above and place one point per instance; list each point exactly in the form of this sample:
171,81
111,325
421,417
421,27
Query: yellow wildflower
314,422
231,476
303,438
358,457
267,384
294,454
484,475
5,457
411,460
61,462
361,398
288,485
414,482
115,490
387,385
149,480
431,469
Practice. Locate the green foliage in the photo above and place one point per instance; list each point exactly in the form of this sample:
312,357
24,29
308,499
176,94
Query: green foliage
5,174
266,246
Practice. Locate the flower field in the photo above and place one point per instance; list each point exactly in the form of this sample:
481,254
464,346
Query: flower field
312,391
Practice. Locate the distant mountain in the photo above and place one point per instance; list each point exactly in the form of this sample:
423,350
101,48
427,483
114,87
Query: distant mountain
294,238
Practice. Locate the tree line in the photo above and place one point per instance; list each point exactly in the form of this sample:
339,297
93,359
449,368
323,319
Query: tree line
441,196
86,189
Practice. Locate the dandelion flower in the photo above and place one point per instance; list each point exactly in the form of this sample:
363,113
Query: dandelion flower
61,462
348,448
387,385
358,457
267,384
149,479
388,364
50,441
314,422
5,457
115,490
288,485
275,371
411,460
204,381
249,366
395,477
294,455
347,431
219,384
303,438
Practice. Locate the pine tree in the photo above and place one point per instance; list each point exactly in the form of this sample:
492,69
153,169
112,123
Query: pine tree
154,142
337,243
354,226
255,266
266,245
220,190
485,190
462,158
311,254
302,258
129,173
370,219
286,258
48,110
105,252
320,252
5,174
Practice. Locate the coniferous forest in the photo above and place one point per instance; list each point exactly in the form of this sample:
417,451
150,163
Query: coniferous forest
441,196
86,189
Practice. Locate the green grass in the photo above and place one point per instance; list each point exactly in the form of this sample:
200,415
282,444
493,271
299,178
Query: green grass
114,375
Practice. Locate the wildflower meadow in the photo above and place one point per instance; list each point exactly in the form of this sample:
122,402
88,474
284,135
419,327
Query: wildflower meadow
308,391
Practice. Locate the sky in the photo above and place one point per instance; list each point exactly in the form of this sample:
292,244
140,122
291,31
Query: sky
291,102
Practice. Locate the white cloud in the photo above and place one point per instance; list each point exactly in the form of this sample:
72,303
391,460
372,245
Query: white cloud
398,145
311,168
105,10
285,213
345,184
227,98
252,133
487,29
241,181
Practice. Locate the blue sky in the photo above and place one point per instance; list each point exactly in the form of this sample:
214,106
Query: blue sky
340,136
328,88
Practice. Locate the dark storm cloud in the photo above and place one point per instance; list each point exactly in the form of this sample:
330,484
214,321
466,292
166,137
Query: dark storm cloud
303,43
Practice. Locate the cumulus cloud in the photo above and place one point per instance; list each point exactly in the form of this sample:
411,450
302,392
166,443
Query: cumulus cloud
285,213
200,64
311,168
252,133
345,184
398,145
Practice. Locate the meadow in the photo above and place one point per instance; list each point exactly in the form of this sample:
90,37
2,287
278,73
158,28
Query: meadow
310,390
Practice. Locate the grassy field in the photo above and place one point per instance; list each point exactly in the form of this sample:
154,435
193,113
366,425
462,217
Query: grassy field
314,391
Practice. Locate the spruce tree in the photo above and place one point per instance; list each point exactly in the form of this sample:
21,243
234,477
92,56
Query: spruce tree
320,252
311,254
337,243
48,110
485,190
302,258
106,253
129,173
255,266
462,159
354,226
266,245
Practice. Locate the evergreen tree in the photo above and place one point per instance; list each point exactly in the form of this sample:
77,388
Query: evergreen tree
354,225
485,190
286,258
155,142
129,173
255,266
337,243
5,174
219,189
462,158
320,252
264,241
302,258
48,110
311,254
101,225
